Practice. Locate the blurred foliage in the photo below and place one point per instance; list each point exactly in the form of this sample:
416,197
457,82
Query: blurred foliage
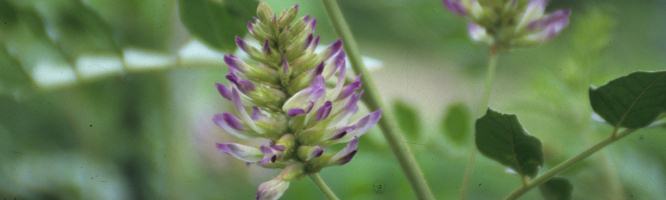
457,122
112,99
408,119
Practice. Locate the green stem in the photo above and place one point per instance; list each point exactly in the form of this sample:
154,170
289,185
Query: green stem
568,163
323,187
485,100
373,101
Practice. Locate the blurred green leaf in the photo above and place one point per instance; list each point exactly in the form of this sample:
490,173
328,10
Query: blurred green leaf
408,118
12,76
216,22
456,122
502,138
8,16
632,101
556,189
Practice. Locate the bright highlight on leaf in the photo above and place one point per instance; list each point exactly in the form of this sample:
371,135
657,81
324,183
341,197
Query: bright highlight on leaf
632,101
501,137
556,189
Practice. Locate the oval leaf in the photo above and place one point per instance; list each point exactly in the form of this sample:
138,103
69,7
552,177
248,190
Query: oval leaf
556,189
632,101
408,119
217,22
456,122
502,138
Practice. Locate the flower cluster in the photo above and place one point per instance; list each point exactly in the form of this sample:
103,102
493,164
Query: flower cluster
292,95
510,23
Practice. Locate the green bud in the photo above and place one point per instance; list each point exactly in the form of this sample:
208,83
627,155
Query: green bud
307,153
288,16
265,12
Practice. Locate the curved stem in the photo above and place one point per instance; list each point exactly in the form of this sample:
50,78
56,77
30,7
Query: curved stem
485,99
373,101
323,186
568,163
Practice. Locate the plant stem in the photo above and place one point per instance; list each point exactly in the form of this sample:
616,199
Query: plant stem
323,187
373,101
568,163
485,99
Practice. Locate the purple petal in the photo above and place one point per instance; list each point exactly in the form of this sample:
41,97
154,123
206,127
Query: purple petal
366,123
233,62
318,151
278,147
316,42
308,40
349,89
256,113
559,18
241,43
295,112
324,111
250,27
455,6
230,123
272,190
244,85
319,69
333,49
241,152
224,91
267,47
345,155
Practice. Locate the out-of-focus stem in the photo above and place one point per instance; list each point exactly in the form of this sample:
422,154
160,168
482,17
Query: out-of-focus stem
323,186
373,101
568,163
485,99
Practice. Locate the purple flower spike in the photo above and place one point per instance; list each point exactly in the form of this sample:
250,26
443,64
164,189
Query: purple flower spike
223,90
324,111
245,86
455,6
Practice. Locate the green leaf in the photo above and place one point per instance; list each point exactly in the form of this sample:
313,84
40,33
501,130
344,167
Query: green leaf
408,118
217,22
632,101
502,138
457,122
556,189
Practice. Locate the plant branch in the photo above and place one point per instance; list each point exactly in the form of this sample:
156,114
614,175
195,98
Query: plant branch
373,101
568,163
485,99
323,186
